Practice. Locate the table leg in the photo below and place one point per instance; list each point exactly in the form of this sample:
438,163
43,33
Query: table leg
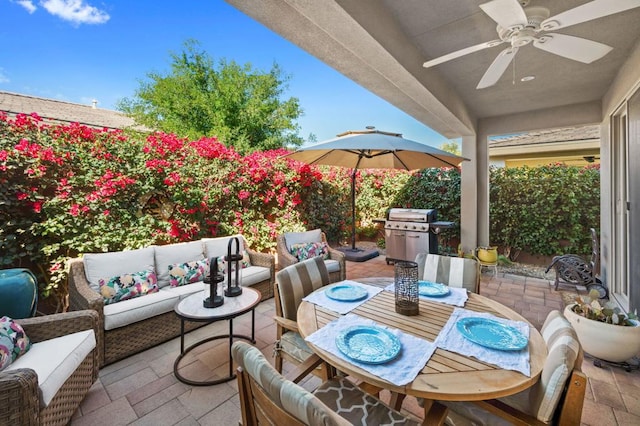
230,344
434,413
396,400
181,335
253,326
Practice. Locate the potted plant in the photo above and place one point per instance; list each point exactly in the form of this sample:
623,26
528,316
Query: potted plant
604,331
487,254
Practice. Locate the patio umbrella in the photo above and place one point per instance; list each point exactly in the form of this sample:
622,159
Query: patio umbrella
373,149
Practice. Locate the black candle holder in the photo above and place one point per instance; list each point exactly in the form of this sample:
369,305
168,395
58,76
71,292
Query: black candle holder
233,269
214,300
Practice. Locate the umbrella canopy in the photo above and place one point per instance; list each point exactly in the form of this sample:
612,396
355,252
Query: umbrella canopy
373,149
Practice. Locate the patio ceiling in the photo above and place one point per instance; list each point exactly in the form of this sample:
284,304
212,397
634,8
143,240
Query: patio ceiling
382,44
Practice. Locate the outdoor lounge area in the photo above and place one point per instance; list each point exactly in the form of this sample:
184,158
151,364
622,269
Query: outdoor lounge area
142,389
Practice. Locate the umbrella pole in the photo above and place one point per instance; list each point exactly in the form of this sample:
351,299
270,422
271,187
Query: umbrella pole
353,210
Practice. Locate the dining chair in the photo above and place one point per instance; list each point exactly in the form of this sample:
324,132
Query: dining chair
557,397
292,284
452,271
267,397
306,243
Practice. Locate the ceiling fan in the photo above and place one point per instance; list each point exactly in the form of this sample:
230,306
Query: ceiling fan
519,26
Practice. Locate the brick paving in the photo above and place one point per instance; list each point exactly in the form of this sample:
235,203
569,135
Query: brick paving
142,390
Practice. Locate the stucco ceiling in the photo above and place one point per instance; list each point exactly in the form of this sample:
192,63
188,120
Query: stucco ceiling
382,44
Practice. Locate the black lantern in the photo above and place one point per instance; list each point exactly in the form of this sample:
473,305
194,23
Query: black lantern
234,279
214,300
406,287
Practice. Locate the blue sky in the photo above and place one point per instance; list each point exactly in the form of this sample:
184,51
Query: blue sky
79,50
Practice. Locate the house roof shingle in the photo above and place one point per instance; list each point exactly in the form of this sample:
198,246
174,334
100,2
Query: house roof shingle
61,111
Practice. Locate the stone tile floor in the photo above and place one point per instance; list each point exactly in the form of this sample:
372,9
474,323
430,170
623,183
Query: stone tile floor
142,390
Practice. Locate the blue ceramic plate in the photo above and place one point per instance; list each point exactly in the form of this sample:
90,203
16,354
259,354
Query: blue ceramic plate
368,344
429,289
346,292
492,334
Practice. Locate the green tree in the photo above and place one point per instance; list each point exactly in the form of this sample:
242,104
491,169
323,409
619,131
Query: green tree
240,106
452,147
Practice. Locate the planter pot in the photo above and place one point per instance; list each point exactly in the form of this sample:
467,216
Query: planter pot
487,254
609,342
18,293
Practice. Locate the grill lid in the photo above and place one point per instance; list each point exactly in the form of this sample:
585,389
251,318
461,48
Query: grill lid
412,215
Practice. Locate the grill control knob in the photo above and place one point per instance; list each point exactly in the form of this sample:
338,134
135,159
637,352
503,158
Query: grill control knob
414,227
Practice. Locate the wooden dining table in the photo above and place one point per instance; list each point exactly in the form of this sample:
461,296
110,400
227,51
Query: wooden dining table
447,376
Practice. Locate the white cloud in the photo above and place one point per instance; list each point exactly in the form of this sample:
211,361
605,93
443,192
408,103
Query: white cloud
3,78
75,11
27,4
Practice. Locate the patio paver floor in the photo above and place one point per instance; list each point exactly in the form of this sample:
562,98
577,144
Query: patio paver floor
142,390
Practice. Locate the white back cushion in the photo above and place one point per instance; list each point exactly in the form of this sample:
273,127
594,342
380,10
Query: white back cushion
175,253
291,238
108,265
218,247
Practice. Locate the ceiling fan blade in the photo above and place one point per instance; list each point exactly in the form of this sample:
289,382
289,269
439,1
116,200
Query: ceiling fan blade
587,12
576,48
507,13
462,52
497,68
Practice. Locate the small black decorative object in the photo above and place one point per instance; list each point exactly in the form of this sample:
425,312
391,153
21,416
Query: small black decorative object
234,279
214,300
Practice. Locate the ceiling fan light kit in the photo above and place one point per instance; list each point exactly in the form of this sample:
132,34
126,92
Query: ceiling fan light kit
519,26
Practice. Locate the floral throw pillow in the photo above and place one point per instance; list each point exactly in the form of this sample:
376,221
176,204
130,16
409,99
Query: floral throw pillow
128,286
13,342
303,251
187,273
245,262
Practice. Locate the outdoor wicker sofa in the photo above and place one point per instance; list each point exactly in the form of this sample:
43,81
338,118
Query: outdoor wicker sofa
131,326
22,400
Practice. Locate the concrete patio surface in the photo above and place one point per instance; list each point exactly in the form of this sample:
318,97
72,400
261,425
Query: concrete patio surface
142,389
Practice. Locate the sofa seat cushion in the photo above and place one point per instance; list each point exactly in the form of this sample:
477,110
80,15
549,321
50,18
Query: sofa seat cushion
255,274
131,311
172,254
104,266
55,360
332,265
186,290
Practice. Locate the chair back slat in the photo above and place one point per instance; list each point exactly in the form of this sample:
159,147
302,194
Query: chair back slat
453,271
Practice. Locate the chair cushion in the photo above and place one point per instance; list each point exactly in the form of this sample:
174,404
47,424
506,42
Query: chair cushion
297,281
358,407
303,251
563,350
293,344
55,360
128,286
14,342
99,266
291,238
332,265
172,254
452,271
294,399
133,310
188,273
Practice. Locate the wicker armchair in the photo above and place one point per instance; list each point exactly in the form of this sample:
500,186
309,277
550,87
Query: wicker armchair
20,399
285,258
